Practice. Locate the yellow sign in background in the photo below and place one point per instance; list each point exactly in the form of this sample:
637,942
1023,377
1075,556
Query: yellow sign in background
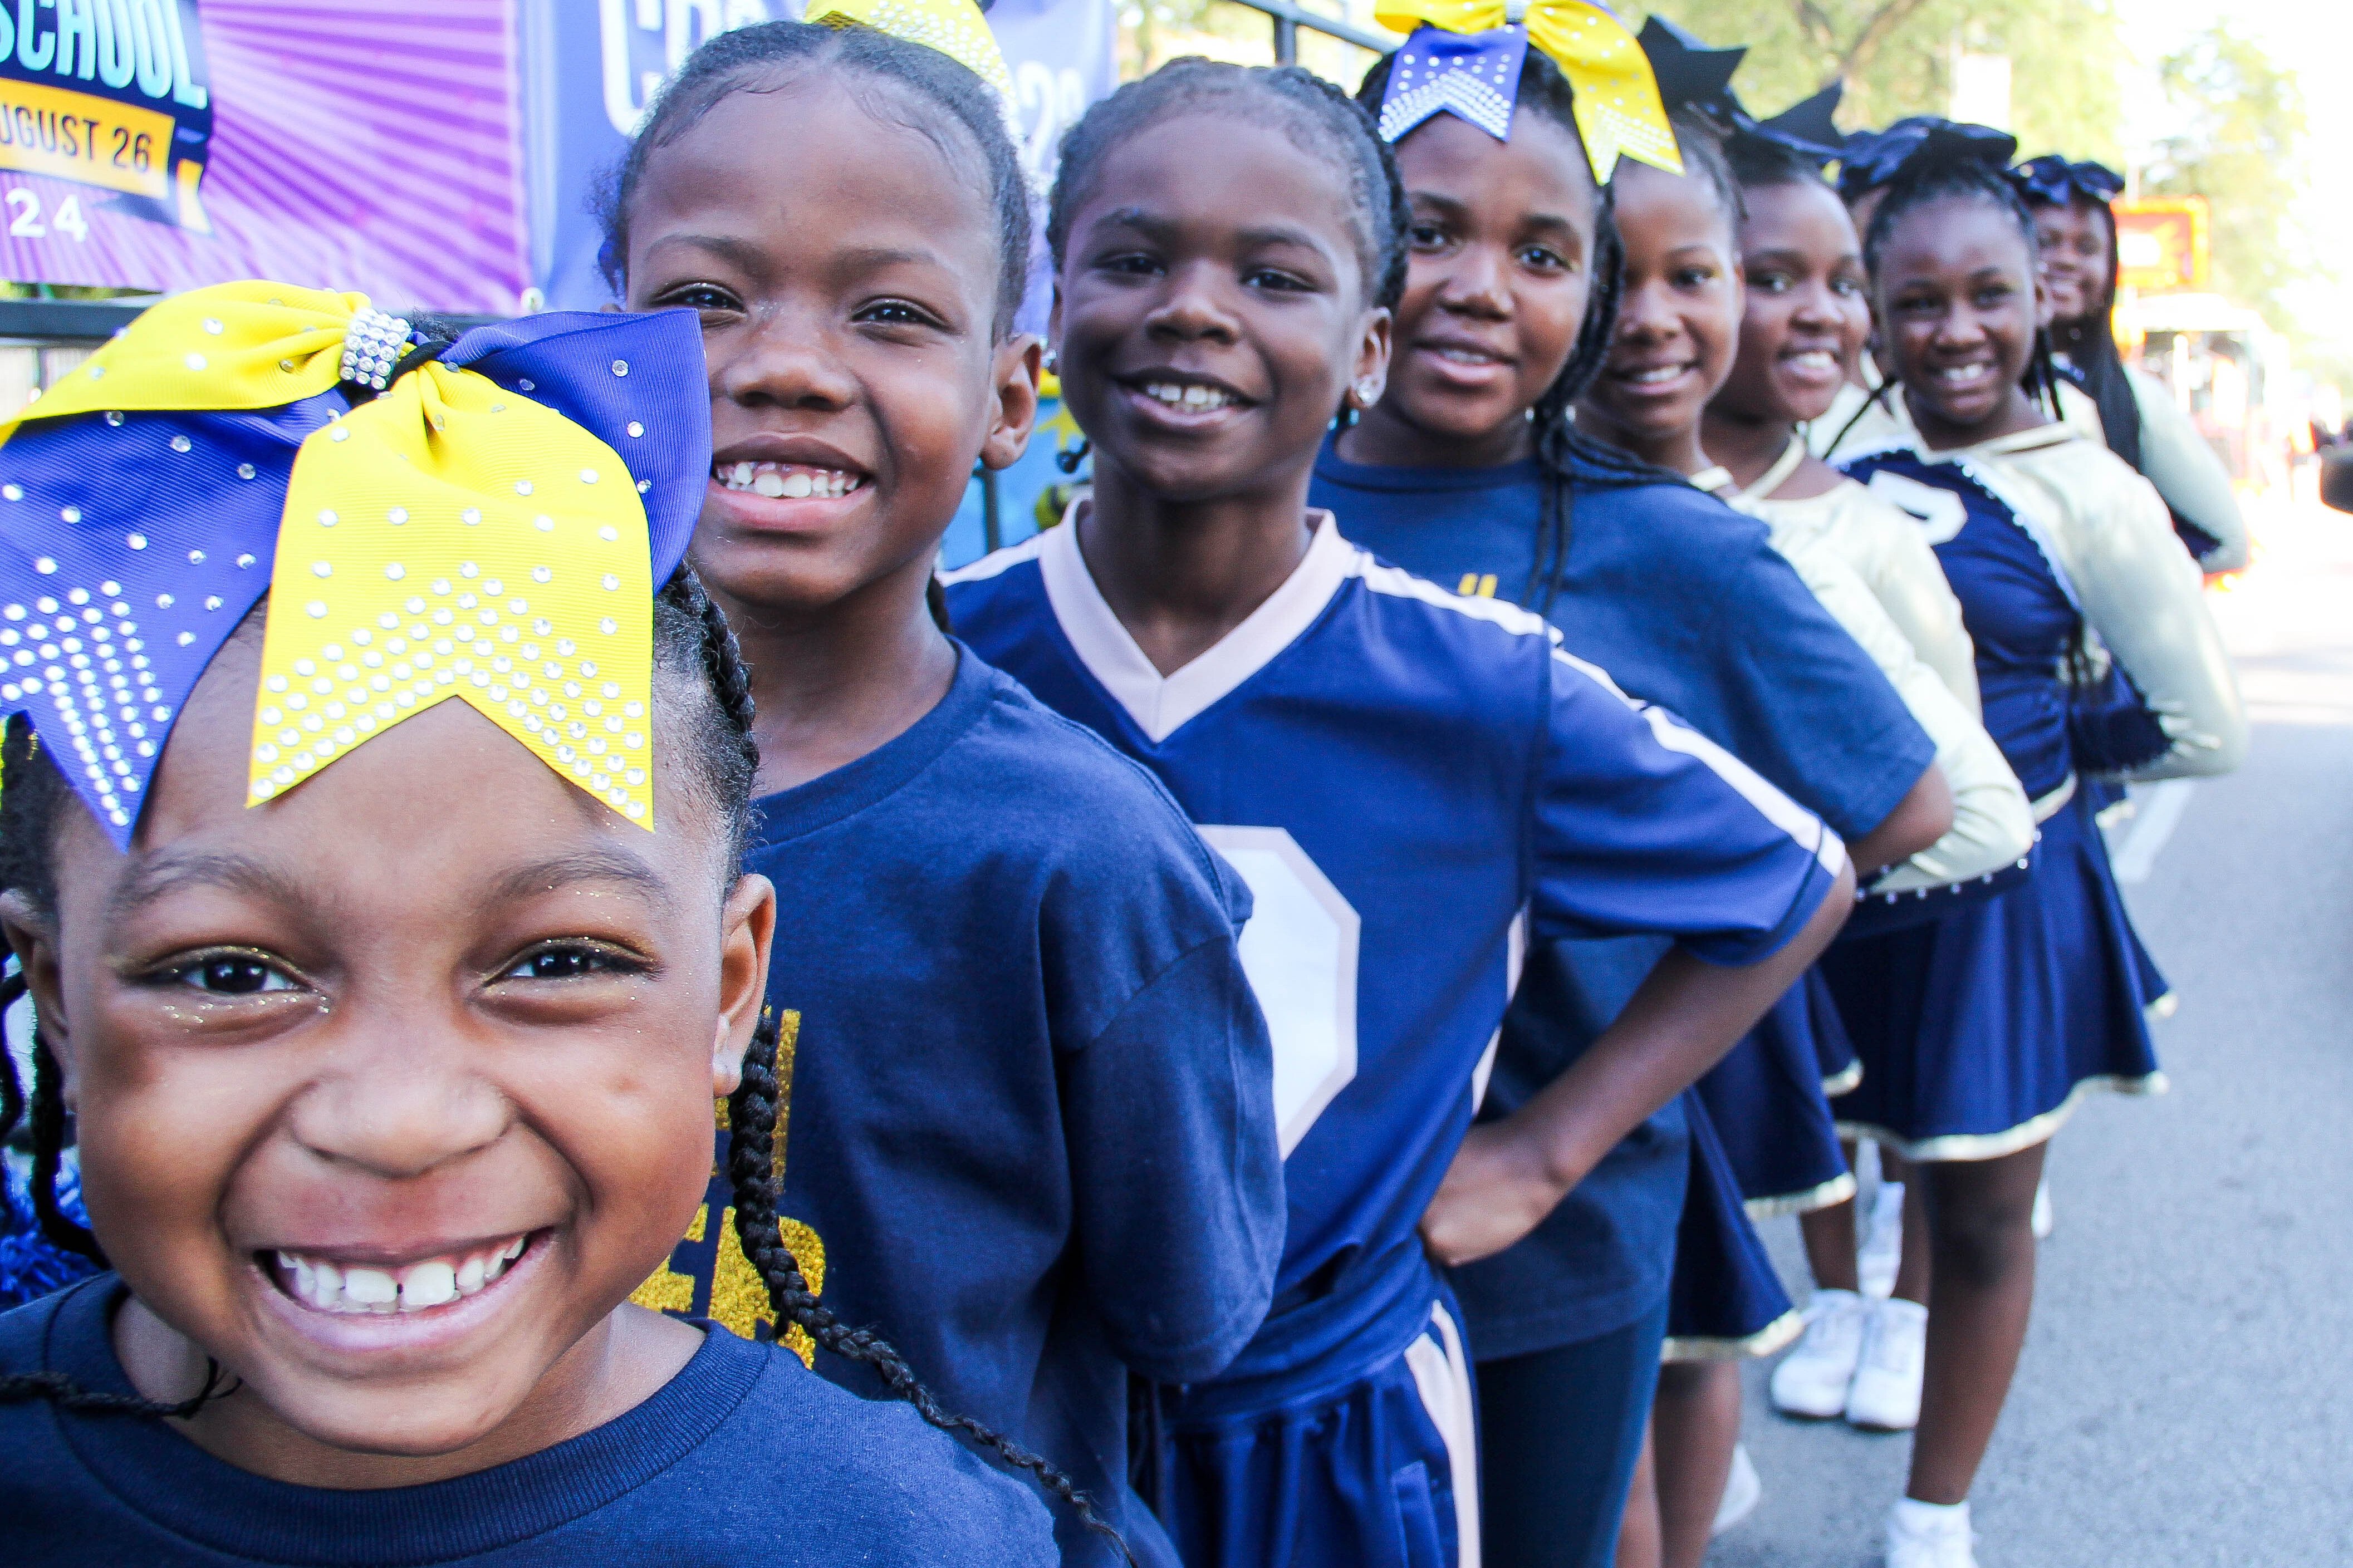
76,136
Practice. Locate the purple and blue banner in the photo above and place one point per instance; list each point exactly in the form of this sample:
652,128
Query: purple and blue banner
162,144
586,88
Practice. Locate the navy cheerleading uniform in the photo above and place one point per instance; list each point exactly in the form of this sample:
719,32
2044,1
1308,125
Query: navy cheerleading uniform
1981,1030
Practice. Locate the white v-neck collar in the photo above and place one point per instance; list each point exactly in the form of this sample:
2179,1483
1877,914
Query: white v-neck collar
1159,704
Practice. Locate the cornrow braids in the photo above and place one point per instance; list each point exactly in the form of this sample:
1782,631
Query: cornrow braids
1561,451
950,102
1323,119
752,1113
1961,178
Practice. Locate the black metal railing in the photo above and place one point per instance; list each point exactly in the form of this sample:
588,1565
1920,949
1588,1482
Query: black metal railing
1289,19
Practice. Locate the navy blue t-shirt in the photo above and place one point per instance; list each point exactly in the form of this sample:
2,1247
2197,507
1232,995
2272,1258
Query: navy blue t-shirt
1029,1136
743,1457
1686,603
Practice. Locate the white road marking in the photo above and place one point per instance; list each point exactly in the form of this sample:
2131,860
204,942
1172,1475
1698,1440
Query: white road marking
2160,815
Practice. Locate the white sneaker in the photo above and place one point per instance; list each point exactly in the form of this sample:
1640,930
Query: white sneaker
1924,1535
2039,1222
1813,1379
1881,1252
1744,1488
1885,1394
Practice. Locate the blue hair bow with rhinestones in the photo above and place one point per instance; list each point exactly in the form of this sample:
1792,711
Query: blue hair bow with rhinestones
149,501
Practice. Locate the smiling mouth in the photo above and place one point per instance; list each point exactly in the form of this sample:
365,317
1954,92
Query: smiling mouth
1191,396
786,481
1962,377
1456,354
1650,376
1813,361
323,1285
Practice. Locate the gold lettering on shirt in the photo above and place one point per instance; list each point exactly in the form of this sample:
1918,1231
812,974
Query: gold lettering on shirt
709,1268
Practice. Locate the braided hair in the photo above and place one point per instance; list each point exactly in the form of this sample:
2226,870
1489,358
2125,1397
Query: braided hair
951,104
752,1113
693,640
1322,120
1961,178
1562,452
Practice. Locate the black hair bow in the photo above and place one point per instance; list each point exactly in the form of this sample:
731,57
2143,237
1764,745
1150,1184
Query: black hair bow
1870,159
2051,181
1692,76
1806,127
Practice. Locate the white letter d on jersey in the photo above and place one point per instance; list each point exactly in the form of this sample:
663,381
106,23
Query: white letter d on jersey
1300,952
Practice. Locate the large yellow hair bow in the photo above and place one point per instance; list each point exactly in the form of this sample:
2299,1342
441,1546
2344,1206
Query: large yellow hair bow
1463,58
955,28
444,519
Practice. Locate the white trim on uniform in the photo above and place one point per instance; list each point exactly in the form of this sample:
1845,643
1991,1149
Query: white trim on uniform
1159,704
1775,807
995,562
1442,1376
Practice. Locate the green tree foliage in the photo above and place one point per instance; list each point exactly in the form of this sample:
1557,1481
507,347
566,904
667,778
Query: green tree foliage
2241,145
1896,59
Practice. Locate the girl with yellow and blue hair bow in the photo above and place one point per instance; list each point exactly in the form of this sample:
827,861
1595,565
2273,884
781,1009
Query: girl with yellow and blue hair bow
1471,470
373,783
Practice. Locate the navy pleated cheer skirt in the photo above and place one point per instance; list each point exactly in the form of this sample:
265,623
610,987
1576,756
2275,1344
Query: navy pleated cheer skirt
1979,1032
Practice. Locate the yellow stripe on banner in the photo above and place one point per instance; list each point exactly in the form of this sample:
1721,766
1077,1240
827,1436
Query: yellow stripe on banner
76,136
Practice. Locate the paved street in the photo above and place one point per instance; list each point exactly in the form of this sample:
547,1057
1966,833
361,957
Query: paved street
2185,1396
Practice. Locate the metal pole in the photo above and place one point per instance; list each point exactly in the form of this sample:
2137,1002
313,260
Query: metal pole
1286,41
992,531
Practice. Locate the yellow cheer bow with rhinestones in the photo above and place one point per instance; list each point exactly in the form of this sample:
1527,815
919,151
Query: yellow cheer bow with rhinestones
233,345
1619,110
452,540
955,28
439,518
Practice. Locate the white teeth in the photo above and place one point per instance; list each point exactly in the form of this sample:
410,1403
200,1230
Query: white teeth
370,1286
1192,398
1660,373
428,1285
1815,359
417,1287
1964,375
777,480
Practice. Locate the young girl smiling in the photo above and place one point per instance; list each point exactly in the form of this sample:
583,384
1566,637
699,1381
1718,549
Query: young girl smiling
1029,1136
1406,776
1981,1030
1468,473
389,945
1805,320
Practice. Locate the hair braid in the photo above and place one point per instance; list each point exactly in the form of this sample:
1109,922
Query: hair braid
751,1167
12,1093
49,1154
67,1394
